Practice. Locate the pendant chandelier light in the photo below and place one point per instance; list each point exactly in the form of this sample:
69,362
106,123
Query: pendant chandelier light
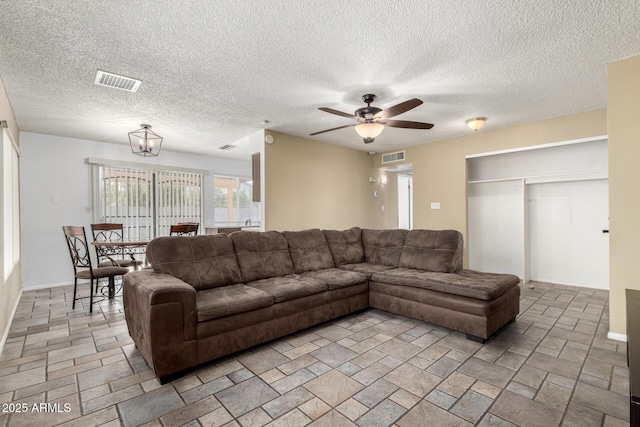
145,142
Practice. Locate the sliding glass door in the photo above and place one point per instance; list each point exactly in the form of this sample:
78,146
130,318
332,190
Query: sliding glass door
147,201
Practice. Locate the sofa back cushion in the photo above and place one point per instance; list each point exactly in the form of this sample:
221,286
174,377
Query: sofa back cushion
345,246
429,250
262,254
204,262
309,250
383,247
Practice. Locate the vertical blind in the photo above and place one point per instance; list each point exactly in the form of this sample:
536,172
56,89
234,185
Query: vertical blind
179,199
147,201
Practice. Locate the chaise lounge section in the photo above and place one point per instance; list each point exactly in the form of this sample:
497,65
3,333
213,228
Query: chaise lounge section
431,285
212,295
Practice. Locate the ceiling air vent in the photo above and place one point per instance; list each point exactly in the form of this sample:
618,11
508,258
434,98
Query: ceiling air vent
116,81
227,147
393,157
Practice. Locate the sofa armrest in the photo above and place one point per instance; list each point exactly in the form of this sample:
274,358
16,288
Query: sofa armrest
160,311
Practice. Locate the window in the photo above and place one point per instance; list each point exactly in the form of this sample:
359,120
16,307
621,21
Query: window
147,201
233,202
10,206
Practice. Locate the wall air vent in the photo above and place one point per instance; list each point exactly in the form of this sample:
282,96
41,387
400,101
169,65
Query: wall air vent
393,157
116,81
227,147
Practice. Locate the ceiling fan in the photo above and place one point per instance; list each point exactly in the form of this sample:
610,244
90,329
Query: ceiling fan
372,120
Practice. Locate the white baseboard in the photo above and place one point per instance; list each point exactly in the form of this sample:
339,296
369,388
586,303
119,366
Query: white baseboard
579,285
13,314
616,336
50,285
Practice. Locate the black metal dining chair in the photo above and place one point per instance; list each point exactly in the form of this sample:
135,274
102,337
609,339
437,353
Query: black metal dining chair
184,229
109,256
82,268
195,225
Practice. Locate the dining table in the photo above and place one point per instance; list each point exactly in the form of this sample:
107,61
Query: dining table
112,248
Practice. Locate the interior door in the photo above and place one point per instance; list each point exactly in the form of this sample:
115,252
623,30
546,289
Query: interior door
567,243
405,202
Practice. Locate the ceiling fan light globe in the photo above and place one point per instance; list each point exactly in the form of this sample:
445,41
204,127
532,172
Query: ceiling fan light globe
369,130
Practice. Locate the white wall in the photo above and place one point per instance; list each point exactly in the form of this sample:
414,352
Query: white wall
254,143
573,157
56,167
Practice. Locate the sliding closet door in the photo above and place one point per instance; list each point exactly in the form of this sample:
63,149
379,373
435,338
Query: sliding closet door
496,218
567,245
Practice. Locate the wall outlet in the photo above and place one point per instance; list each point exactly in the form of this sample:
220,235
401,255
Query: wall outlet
435,205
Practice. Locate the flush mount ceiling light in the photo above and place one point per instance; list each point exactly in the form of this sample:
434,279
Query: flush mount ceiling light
476,123
145,142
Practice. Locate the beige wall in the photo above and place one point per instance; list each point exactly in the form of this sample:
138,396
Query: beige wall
439,168
310,184
9,290
624,176
387,197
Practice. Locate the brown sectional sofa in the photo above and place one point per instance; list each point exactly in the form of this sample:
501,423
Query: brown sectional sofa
209,296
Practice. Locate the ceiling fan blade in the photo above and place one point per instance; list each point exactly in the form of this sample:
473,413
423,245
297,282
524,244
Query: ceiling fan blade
407,124
398,109
336,112
329,130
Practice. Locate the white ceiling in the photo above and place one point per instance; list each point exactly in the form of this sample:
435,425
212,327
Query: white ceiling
212,71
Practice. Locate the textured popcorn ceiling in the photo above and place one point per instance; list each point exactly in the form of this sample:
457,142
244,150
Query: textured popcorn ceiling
213,70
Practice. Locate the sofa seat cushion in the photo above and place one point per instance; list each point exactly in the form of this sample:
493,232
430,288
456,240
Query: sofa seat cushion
99,273
228,300
309,250
337,278
286,310
345,246
456,303
466,283
366,268
431,250
383,247
289,287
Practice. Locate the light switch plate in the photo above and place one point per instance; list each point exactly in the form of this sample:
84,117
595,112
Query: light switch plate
435,205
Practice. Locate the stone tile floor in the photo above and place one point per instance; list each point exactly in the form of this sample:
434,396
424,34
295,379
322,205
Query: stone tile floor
553,366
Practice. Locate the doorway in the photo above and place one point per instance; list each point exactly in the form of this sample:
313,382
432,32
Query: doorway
405,201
